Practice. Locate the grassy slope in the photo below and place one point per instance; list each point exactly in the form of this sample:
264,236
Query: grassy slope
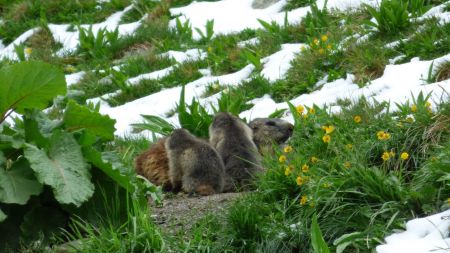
352,189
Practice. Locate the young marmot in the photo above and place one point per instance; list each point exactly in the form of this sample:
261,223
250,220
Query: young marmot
233,140
153,163
194,165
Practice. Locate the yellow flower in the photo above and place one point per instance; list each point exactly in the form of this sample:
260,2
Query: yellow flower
314,159
303,200
357,118
305,168
299,180
392,154
404,156
287,149
326,138
347,165
321,51
305,116
385,156
324,38
287,171
329,47
448,201
28,50
210,49
300,109
414,108
349,146
328,129
427,104
382,135
409,119
316,41
303,48
282,158
312,110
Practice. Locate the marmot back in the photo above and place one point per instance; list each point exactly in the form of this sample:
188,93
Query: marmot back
194,165
233,140
153,164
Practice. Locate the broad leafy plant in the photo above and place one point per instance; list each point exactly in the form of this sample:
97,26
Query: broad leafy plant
49,167
391,16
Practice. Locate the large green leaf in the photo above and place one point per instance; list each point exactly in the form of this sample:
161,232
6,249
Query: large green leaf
29,84
63,168
18,183
2,216
111,165
78,117
318,243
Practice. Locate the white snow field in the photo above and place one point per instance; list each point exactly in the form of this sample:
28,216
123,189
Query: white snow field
399,83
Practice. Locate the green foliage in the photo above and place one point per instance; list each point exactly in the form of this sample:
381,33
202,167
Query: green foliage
98,45
184,30
317,21
209,31
318,243
431,42
154,124
193,117
28,85
391,16
51,166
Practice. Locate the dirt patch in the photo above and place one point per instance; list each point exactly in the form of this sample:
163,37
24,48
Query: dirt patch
179,212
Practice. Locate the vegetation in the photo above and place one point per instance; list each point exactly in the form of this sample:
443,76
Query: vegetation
344,181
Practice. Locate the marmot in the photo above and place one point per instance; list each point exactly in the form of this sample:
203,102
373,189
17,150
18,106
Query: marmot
194,165
267,132
153,163
233,140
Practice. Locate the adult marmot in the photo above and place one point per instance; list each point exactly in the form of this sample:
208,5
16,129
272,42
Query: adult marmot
194,165
268,131
233,140
153,163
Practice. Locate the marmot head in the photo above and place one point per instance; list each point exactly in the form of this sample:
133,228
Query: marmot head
178,138
225,122
271,131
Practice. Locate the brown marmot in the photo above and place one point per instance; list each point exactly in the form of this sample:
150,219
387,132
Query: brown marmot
153,163
233,140
194,165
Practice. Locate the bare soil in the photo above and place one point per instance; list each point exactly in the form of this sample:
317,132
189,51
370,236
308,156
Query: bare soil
179,212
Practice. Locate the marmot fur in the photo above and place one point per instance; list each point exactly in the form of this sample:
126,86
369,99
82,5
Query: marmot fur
153,163
194,165
233,140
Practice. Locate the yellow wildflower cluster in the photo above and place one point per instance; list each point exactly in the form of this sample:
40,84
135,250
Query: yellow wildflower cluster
299,180
287,171
382,135
303,200
321,45
386,155
357,119
328,130
300,109
282,158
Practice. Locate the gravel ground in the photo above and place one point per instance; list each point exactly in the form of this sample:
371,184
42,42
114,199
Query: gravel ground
180,212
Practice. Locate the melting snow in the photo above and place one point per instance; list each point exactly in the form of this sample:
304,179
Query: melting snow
424,235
